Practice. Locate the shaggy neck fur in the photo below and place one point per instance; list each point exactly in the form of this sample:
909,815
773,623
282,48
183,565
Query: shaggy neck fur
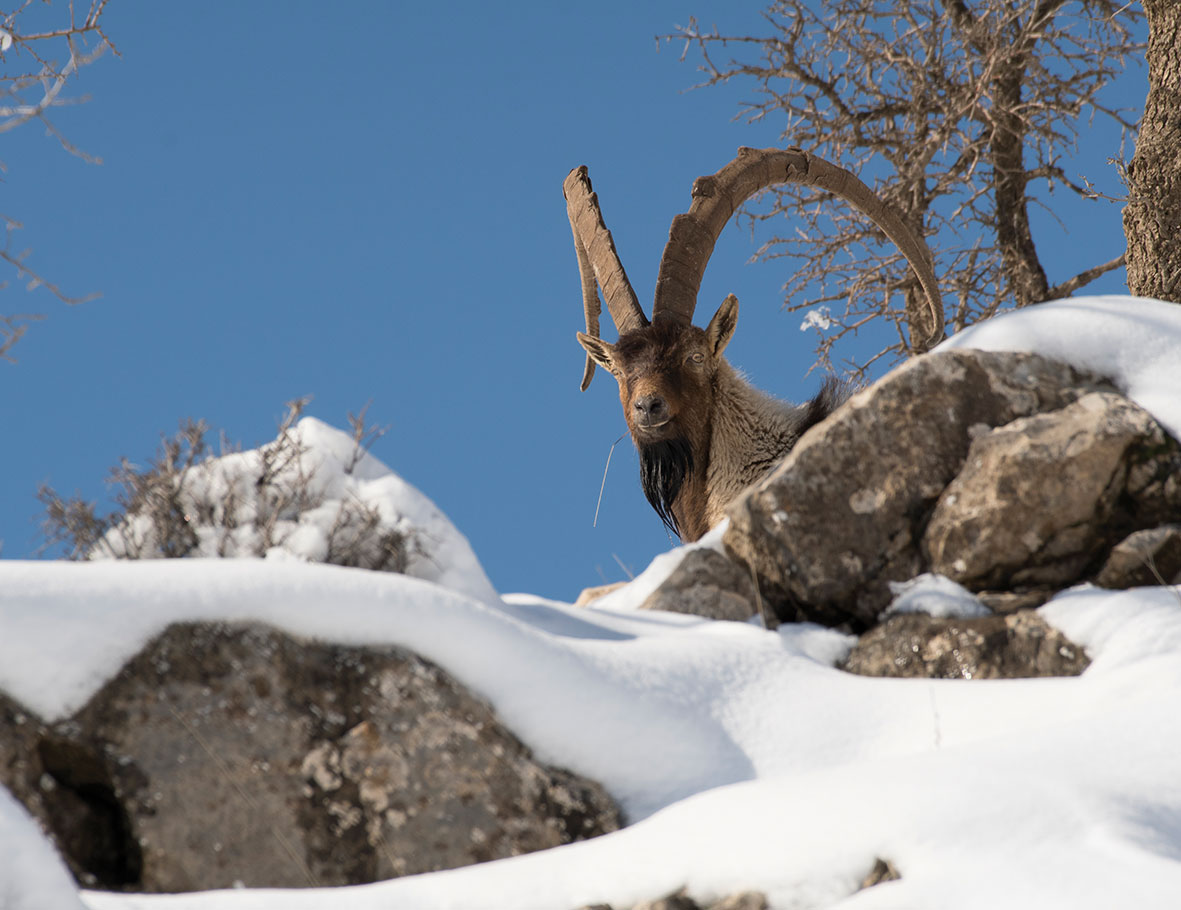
750,431
690,482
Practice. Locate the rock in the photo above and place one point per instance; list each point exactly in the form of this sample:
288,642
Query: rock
84,816
227,754
883,871
680,900
1148,557
590,595
844,513
935,595
68,792
1038,499
1153,489
1012,601
1016,646
746,900
22,772
706,583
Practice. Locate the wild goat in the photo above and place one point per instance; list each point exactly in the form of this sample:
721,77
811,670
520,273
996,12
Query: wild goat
703,433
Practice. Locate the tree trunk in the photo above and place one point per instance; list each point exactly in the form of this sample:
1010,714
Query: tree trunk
1152,217
1026,277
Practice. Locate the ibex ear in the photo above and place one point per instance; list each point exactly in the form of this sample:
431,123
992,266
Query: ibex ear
599,350
721,327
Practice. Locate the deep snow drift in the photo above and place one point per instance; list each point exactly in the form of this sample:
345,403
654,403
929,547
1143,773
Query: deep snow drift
743,759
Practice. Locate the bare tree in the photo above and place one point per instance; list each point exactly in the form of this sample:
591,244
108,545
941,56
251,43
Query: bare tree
962,111
1152,217
40,52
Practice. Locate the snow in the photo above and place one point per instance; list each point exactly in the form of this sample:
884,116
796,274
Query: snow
318,479
742,757
32,876
1132,340
936,595
818,318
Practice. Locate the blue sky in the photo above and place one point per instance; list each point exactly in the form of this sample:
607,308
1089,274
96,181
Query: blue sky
362,202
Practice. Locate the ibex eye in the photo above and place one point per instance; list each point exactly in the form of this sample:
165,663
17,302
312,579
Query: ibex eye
697,358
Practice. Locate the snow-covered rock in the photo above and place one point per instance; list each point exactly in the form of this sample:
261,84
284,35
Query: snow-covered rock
226,753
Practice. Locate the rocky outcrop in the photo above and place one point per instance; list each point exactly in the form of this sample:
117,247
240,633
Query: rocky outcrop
1017,646
226,755
1148,557
20,765
69,793
1039,498
680,900
706,583
881,872
1013,475
1007,472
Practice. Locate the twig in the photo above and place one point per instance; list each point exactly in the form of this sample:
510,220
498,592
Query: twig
770,620
1066,288
602,486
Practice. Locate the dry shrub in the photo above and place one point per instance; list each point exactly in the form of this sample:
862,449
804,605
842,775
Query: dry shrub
187,502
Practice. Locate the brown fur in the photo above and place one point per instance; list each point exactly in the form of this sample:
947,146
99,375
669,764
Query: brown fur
732,433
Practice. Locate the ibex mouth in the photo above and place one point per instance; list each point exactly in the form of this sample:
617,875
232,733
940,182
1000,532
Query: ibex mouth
644,426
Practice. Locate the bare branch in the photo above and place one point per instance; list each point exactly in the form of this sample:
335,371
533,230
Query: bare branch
952,110
1068,287
35,67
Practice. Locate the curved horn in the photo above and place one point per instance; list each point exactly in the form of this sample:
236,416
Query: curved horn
598,262
692,236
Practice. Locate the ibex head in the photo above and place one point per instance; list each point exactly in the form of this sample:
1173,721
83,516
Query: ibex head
665,370
669,371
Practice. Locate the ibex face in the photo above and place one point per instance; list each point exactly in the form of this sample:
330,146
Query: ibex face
666,373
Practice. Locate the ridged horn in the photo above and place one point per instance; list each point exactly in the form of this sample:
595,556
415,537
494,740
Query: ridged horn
692,236
598,264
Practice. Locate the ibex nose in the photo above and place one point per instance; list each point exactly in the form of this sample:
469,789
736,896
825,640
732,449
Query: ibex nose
651,411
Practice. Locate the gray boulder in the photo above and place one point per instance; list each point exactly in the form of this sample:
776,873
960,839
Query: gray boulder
67,790
680,900
227,754
1040,498
1148,557
21,770
845,512
1019,645
706,583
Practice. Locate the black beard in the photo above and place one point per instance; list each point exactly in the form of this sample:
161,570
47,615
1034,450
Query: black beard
663,469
